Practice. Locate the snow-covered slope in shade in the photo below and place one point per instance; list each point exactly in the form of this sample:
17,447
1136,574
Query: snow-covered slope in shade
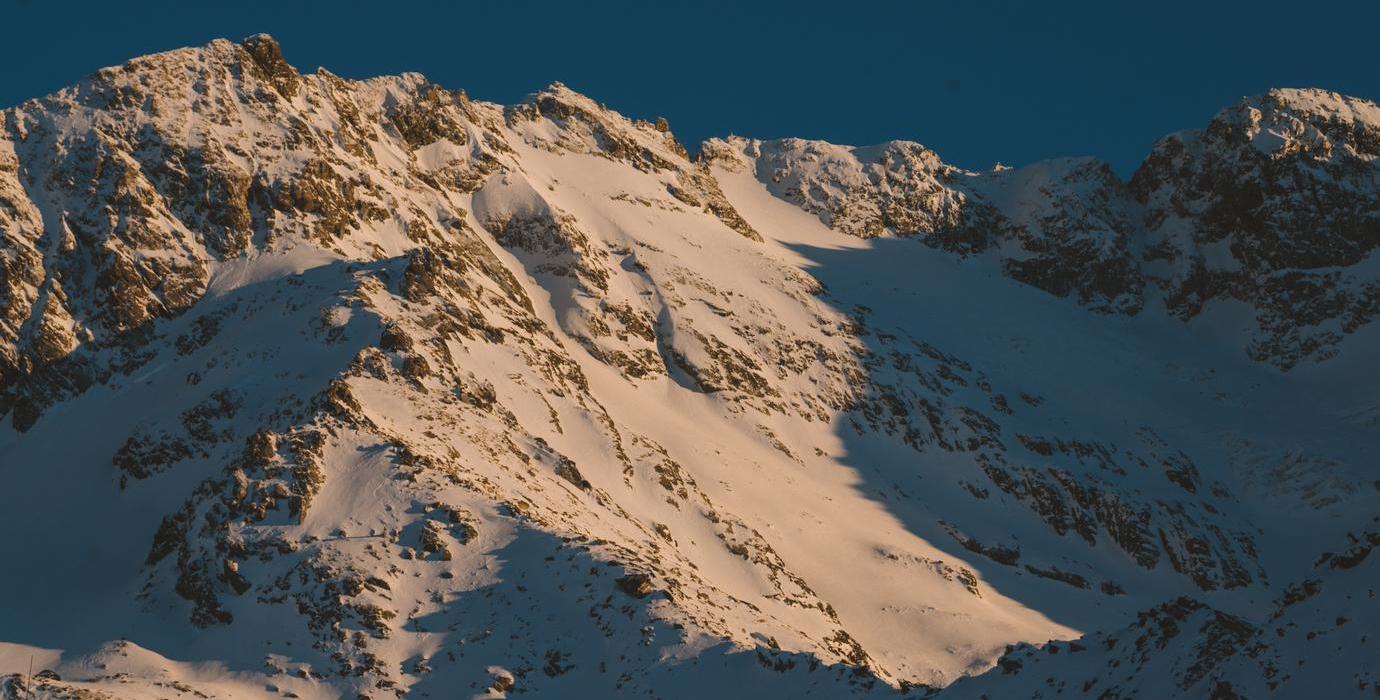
342,389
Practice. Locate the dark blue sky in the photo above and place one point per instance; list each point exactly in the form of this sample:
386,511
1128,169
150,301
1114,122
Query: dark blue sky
976,81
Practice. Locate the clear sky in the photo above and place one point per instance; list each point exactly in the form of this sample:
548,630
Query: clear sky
978,82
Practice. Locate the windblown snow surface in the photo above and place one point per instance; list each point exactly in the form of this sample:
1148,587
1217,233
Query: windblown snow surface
331,389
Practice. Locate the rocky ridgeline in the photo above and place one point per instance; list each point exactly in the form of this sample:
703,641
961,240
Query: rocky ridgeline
1068,227
385,287
1272,205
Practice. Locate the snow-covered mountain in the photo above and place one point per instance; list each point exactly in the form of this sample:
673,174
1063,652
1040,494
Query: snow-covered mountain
326,388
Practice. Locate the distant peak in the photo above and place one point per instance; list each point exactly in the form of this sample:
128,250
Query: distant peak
562,93
1314,98
1310,101
261,39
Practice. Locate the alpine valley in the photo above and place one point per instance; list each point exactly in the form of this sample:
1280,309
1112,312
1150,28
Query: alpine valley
323,388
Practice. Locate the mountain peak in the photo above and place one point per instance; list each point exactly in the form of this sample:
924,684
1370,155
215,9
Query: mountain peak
1321,102
1323,123
267,56
262,39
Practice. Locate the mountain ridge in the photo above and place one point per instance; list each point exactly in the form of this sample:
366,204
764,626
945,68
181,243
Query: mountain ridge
368,356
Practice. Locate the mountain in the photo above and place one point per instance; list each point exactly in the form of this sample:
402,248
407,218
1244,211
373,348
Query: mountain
316,387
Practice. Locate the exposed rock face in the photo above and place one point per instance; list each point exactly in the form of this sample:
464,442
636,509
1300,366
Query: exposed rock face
427,393
266,59
1273,205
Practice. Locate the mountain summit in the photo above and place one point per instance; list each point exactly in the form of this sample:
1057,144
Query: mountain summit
325,388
